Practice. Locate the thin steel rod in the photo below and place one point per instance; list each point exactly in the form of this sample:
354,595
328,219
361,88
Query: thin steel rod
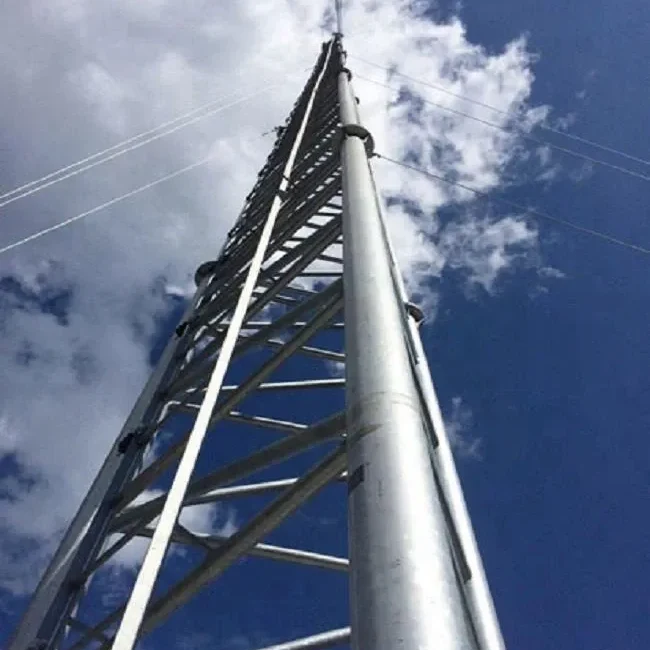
298,556
310,351
237,491
334,382
250,489
265,551
331,639
266,423
255,324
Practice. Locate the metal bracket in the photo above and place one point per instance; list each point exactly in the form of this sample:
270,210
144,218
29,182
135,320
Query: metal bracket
138,435
358,131
347,72
182,328
415,312
207,268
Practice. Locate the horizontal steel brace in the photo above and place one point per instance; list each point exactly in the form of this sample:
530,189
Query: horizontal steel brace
249,489
333,382
257,324
331,639
143,480
266,551
266,423
275,452
193,372
247,537
264,300
236,546
311,351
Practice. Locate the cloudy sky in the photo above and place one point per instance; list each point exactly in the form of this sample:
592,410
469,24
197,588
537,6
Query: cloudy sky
536,334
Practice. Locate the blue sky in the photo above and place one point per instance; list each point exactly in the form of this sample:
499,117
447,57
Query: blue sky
558,500
551,373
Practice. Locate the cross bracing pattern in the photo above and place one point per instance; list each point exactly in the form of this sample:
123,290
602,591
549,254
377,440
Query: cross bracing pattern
263,333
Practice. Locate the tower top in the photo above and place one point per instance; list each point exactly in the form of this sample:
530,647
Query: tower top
339,17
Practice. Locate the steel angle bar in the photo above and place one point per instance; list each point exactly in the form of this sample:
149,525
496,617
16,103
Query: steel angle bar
235,547
273,453
145,478
135,609
111,551
203,316
193,371
304,258
248,536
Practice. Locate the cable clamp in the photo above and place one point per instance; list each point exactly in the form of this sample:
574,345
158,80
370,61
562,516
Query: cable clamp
347,71
415,312
138,435
358,131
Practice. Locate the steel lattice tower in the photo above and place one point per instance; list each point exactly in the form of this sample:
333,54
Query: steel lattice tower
308,258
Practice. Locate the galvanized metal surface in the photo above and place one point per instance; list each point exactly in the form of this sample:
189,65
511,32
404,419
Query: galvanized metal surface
279,283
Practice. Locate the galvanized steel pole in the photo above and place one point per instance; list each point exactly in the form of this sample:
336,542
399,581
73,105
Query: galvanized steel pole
405,590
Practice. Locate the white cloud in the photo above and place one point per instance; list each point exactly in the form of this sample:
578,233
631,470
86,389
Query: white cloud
458,426
550,272
484,249
77,75
205,519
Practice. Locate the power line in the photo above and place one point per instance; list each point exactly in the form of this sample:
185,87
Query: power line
100,157
521,134
510,114
519,206
107,204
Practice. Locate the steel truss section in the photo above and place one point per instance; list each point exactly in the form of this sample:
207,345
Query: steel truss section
274,295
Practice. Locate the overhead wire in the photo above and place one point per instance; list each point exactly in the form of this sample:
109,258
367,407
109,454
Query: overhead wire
518,206
90,161
107,204
519,132
510,114
120,149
